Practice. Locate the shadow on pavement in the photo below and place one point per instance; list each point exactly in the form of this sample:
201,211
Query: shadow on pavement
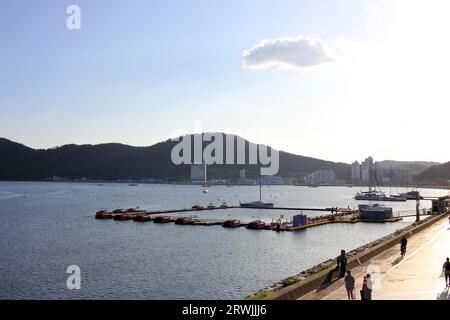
443,295
397,261
328,280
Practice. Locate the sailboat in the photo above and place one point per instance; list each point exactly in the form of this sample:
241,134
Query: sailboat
371,195
392,197
374,195
257,204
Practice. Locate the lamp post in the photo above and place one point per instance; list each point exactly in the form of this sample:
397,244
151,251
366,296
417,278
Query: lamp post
417,207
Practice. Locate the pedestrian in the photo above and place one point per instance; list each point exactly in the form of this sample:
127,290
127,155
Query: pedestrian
366,292
350,285
342,264
403,244
446,271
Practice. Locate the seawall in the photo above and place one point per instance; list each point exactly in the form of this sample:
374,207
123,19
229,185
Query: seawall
315,281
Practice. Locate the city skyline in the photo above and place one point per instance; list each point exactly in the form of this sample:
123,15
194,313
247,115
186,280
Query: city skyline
316,79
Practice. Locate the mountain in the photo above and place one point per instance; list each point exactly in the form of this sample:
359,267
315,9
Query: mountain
438,174
414,167
113,161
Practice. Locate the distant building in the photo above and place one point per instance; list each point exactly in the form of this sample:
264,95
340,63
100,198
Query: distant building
367,170
321,177
356,171
198,172
370,172
272,180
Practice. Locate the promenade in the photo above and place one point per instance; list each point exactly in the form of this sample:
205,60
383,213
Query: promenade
415,277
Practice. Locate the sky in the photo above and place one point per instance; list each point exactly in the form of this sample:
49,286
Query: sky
337,80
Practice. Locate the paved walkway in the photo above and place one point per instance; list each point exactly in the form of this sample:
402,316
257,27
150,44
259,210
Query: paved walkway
418,276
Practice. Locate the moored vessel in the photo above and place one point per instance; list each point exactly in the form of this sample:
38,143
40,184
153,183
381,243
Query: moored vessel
257,224
162,219
232,223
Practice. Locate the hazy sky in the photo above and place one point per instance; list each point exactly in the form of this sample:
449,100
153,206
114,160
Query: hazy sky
337,80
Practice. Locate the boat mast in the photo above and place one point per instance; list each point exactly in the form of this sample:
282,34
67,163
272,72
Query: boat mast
260,184
390,182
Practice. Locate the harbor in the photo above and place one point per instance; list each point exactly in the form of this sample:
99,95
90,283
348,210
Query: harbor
299,222
254,259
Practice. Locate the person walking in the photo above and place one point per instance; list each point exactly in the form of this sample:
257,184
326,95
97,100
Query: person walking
446,271
403,244
350,285
342,264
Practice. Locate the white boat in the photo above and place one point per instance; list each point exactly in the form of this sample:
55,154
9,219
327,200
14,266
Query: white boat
374,195
371,195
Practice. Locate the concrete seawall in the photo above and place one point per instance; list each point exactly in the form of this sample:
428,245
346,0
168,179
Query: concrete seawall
316,281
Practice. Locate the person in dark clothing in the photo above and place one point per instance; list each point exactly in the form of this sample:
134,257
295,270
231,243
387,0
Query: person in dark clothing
446,271
403,244
342,264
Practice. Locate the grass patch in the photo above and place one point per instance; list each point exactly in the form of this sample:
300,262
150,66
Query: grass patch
259,295
288,281
322,267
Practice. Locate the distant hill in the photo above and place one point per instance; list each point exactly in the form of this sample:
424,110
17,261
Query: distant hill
115,161
438,174
414,167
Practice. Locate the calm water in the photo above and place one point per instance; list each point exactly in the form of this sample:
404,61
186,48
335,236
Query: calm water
45,227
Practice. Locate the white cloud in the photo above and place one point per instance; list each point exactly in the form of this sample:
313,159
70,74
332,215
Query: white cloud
287,53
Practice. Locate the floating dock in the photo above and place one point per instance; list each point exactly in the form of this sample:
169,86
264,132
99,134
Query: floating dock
161,216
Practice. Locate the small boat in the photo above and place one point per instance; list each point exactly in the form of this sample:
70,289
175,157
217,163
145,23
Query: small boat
184,220
162,219
412,195
394,198
118,211
233,223
211,206
103,215
132,184
224,205
205,190
126,216
143,218
257,224
197,207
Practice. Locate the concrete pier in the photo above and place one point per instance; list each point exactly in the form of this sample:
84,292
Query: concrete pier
418,276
